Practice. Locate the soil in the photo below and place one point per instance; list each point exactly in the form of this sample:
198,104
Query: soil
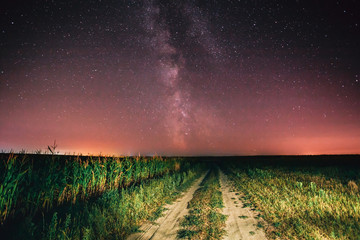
166,227
241,222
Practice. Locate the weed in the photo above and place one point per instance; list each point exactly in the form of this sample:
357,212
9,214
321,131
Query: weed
260,225
53,147
205,220
353,187
301,203
74,197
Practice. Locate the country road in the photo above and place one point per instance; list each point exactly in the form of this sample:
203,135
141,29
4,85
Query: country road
166,227
240,224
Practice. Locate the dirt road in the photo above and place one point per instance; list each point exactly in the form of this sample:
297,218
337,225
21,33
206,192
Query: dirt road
166,227
241,223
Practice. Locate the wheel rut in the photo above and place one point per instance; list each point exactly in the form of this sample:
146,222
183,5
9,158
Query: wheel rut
167,226
241,222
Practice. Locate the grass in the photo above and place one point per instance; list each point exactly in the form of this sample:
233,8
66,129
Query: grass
74,197
31,183
53,197
116,214
301,202
205,220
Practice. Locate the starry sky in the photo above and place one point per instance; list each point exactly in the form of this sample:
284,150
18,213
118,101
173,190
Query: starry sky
180,77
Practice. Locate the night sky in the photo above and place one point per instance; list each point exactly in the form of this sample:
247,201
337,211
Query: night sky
180,77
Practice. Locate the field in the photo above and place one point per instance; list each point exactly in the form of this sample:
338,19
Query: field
302,197
83,197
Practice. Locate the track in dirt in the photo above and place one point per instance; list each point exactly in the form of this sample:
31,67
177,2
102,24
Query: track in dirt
241,223
167,226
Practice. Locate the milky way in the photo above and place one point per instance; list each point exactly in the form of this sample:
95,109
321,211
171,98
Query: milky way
180,77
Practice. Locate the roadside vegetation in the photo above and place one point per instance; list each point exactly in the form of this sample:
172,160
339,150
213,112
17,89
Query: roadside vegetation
62,197
298,201
205,220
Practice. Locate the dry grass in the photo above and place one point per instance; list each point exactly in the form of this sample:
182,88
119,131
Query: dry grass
300,204
353,187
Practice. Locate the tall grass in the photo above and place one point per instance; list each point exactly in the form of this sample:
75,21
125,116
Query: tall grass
302,202
116,214
39,182
87,198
